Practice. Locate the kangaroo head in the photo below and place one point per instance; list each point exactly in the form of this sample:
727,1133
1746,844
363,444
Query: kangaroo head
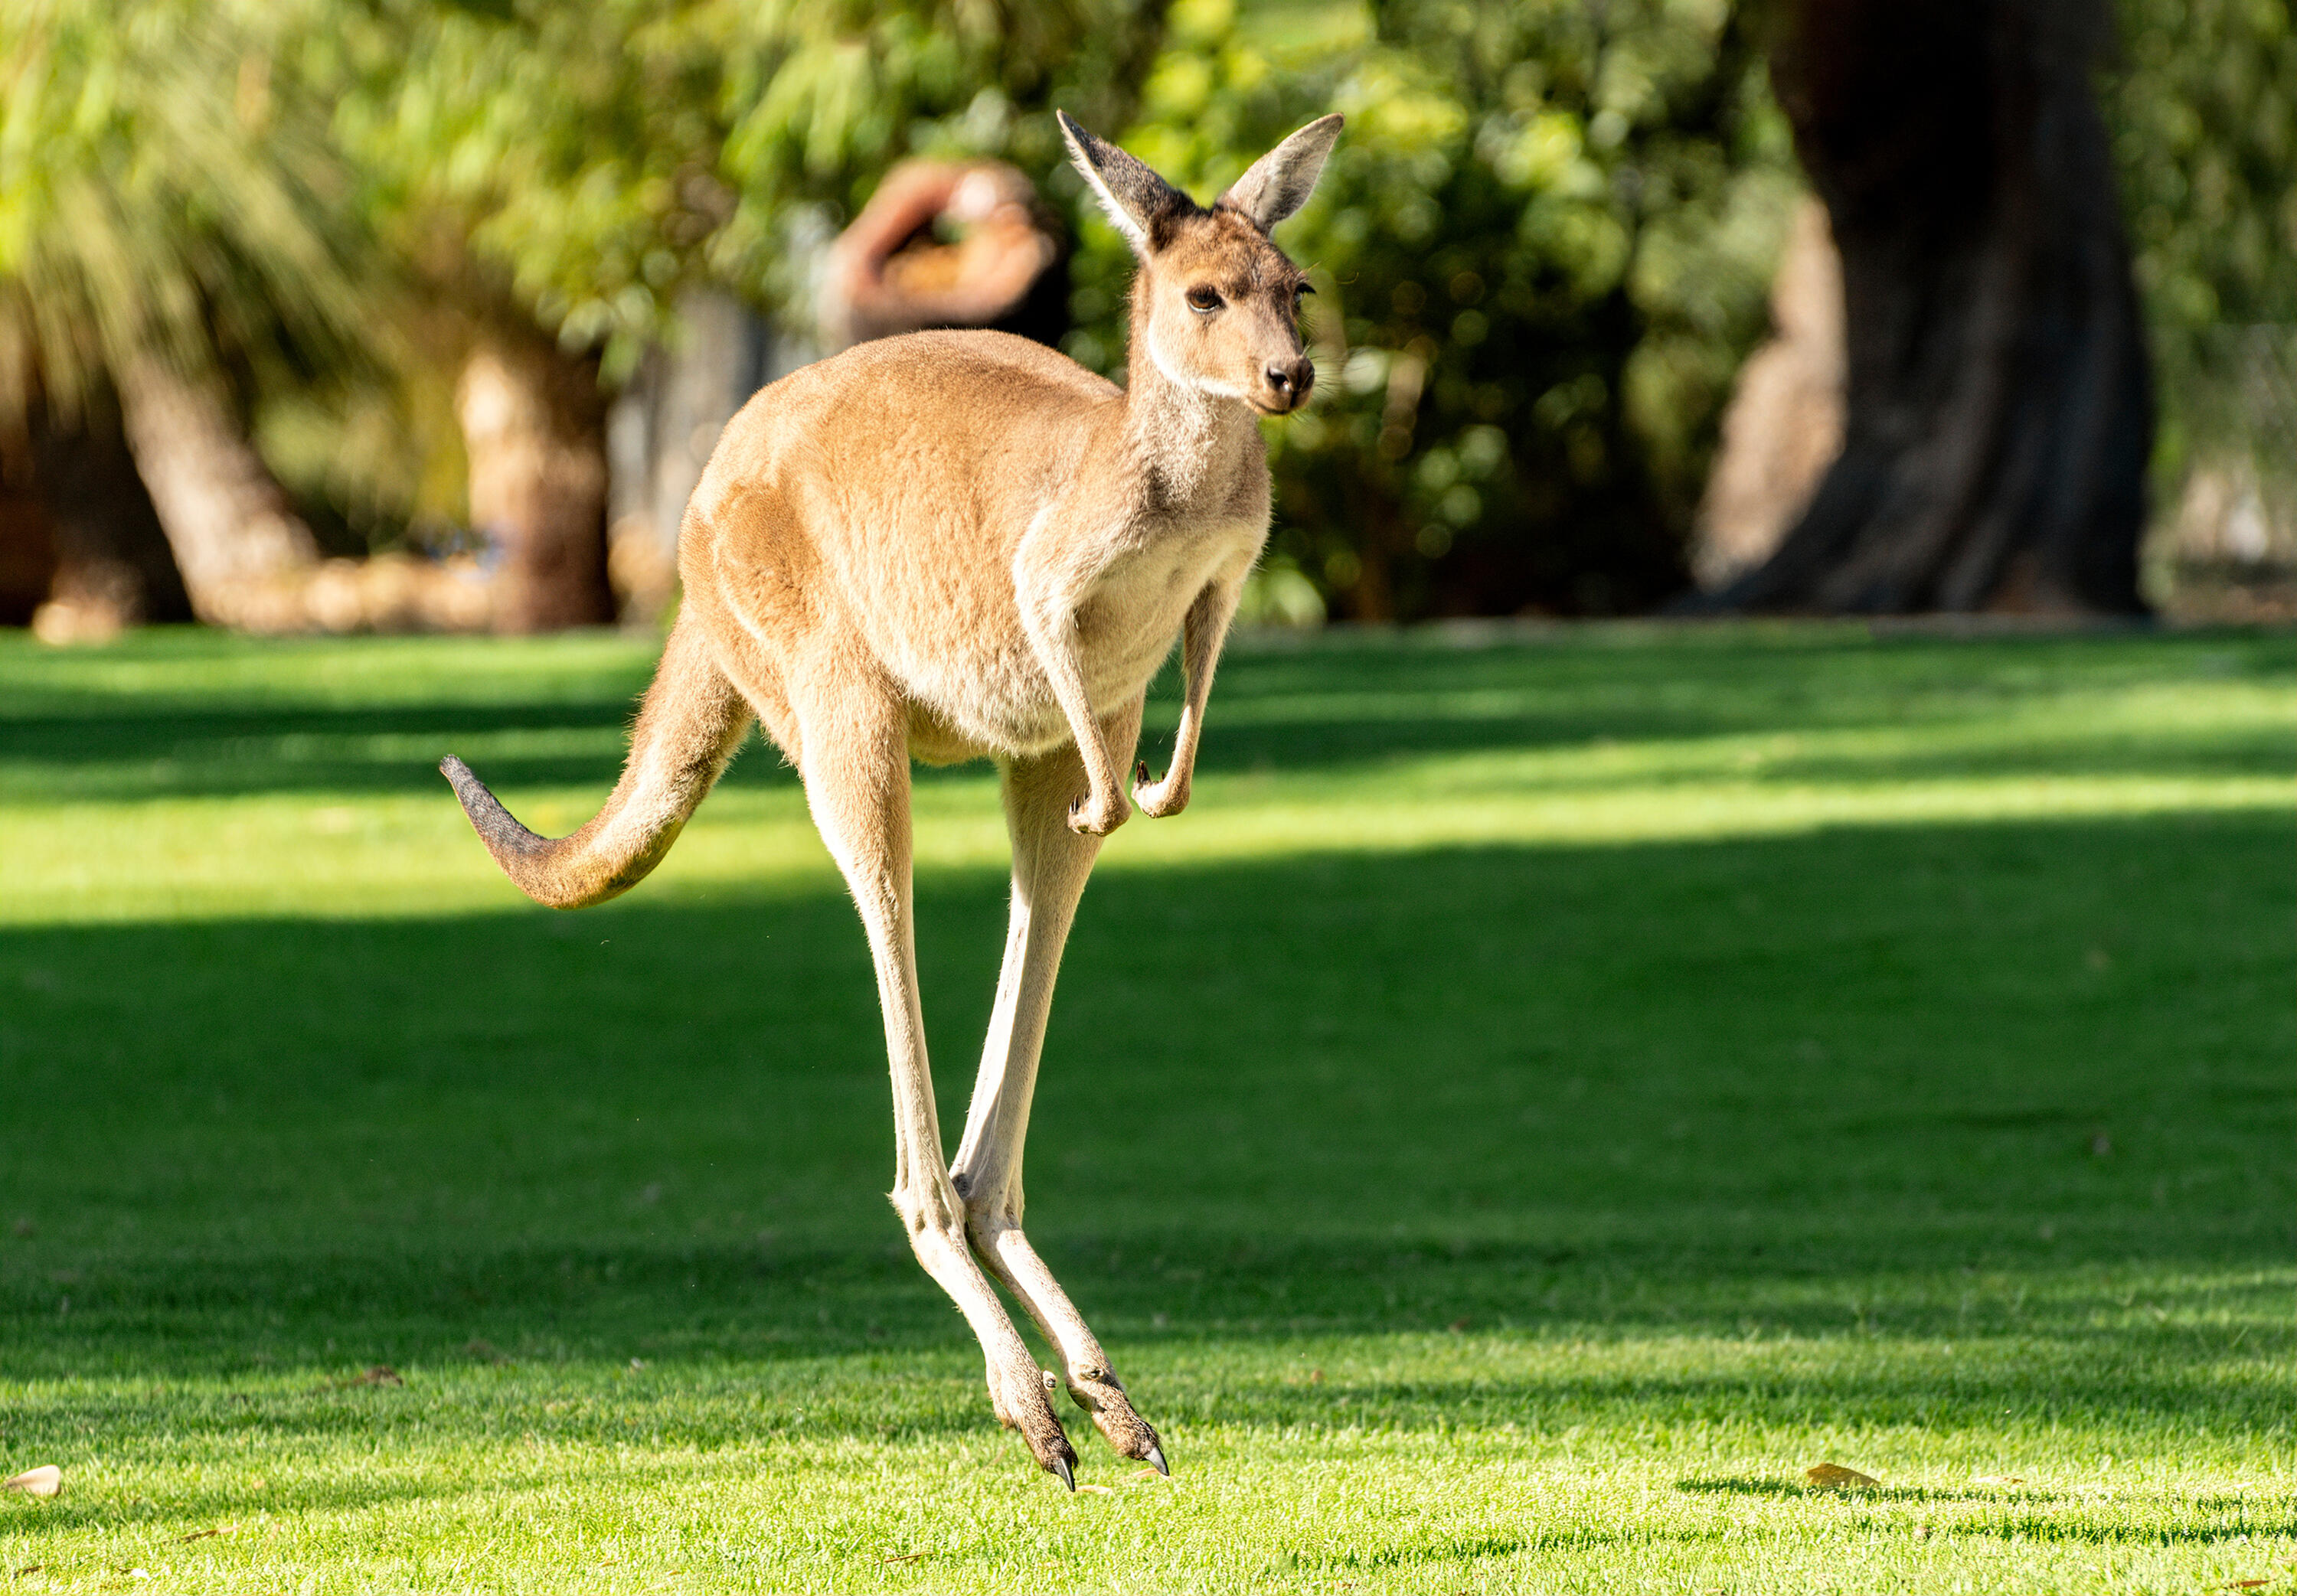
1217,305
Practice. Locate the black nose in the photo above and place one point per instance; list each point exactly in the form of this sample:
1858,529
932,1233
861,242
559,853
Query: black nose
1290,383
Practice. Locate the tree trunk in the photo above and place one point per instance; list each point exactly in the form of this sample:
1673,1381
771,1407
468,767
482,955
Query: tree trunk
114,567
242,550
534,430
1783,426
662,428
2000,412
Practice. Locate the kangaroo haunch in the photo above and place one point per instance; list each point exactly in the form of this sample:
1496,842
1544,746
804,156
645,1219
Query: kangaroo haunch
958,546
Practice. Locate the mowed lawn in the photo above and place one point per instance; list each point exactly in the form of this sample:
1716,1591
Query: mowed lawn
1543,1096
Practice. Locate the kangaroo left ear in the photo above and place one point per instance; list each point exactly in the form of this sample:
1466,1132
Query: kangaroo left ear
1280,182
1135,198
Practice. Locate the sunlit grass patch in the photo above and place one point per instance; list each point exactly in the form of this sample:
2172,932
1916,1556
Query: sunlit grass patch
1539,1101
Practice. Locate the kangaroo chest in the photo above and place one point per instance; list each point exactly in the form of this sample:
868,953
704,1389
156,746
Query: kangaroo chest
1130,617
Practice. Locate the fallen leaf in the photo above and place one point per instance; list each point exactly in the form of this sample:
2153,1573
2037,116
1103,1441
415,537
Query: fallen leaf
1834,1476
1315,1376
1096,1490
2244,1585
201,1534
901,1557
1999,1479
382,1374
1458,1326
32,1568
47,1480
1148,1477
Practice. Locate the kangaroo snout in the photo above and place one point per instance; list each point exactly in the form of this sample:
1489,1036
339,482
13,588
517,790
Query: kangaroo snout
1288,382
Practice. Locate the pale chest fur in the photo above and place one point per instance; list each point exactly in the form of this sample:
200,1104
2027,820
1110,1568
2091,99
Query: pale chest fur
1130,618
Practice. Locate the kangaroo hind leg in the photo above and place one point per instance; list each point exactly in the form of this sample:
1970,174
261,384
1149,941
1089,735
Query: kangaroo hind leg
856,766
1051,862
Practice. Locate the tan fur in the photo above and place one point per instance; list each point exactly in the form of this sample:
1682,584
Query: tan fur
959,546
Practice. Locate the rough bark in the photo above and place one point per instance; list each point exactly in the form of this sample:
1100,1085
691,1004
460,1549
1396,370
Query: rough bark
2000,411
534,430
114,567
240,544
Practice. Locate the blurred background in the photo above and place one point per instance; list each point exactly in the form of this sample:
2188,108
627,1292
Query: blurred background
403,315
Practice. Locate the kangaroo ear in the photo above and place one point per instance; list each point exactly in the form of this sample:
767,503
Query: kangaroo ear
1135,198
1280,182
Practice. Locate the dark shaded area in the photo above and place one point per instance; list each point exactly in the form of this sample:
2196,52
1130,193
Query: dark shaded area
1857,1074
106,552
2000,411
1341,710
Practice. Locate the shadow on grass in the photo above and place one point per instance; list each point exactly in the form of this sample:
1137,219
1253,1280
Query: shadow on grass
1846,1088
1277,711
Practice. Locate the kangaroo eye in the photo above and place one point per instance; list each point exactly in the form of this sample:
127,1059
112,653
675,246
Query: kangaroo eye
1203,298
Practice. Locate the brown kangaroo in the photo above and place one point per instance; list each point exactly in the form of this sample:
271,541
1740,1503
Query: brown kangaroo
960,545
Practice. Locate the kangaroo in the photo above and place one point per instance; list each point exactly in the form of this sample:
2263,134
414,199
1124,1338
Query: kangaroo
957,546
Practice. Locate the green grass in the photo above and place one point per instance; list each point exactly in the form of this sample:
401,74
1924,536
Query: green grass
1539,1099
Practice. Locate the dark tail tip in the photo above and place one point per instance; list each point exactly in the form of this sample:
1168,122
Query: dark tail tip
503,836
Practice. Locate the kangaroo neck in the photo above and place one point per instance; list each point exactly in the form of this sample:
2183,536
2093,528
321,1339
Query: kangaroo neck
1191,444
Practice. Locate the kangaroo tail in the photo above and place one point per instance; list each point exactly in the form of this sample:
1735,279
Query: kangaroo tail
688,727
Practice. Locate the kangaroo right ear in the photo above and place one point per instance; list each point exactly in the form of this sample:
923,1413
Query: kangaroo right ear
1135,198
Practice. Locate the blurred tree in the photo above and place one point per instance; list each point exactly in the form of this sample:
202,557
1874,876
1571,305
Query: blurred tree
581,168
1999,410
1541,248
170,221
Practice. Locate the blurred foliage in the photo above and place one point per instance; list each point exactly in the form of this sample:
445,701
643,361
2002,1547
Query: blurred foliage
167,188
1541,250
1543,245
2202,106
606,155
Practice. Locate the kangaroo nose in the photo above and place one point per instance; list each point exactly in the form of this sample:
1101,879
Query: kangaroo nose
1290,382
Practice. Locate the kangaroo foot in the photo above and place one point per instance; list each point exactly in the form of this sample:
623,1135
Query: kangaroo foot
1024,1402
1158,799
1099,1392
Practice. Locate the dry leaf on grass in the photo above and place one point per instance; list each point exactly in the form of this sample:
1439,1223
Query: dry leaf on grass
47,1480
2244,1585
1148,1477
382,1374
901,1557
201,1534
1834,1476
1999,1479
1096,1490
